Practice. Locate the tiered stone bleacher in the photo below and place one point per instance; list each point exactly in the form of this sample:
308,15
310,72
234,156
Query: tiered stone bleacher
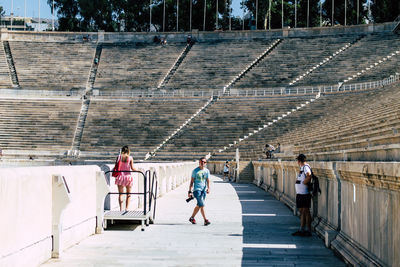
291,58
52,66
224,122
140,123
212,65
138,66
46,125
360,56
5,81
335,122
371,123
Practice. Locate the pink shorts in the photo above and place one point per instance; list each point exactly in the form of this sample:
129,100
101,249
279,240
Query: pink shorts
124,180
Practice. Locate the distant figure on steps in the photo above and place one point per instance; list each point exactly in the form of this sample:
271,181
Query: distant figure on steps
268,149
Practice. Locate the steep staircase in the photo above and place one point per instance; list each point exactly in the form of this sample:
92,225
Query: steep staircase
178,130
93,69
326,60
252,64
76,142
269,124
397,25
175,66
11,66
376,64
213,99
246,172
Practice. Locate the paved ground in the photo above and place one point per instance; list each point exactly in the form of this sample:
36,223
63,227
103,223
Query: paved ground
248,228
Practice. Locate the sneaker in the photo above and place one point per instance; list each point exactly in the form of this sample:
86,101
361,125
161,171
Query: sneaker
192,220
206,222
298,233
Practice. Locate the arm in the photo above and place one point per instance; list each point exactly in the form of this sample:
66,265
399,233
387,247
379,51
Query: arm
208,185
190,186
133,169
308,178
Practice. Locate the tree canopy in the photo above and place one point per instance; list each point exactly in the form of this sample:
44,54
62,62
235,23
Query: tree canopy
134,15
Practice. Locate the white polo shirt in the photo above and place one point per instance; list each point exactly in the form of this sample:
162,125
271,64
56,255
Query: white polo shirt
300,187
226,168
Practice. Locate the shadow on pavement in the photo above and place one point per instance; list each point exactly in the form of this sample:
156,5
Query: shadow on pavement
267,227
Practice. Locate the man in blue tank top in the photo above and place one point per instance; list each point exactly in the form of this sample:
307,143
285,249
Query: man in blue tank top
201,186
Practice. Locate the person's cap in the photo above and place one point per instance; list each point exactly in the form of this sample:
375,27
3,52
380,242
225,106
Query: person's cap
301,157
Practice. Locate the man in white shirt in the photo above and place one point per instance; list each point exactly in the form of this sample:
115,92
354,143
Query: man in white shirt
226,171
303,196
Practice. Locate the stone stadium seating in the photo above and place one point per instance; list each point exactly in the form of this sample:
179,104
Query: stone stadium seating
212,65
367,51
224,122
140,123
291,58
335,122
37,124
135,66
5,81
52,66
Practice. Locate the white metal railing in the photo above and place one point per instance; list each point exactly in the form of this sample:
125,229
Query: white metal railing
38,93
176,93
210,93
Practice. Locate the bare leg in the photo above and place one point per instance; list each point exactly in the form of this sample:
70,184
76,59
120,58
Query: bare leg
195,211
128,197
203,213
121,197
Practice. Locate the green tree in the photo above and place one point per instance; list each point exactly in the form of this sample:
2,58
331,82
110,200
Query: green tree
339,12
288,13
67,12
385,10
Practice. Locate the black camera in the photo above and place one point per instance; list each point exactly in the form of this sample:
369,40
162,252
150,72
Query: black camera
189,199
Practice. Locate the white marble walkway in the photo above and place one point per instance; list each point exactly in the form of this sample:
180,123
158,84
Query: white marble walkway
248,227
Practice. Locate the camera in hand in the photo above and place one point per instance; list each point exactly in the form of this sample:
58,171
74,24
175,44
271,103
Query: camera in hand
189,199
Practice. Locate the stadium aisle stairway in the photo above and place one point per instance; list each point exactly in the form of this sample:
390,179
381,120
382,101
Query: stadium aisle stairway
291,59
212,65
225,121
336,122
141,123
137,66
367,51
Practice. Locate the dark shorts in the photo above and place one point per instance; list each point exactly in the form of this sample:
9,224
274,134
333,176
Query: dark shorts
200,196
303,201
226,172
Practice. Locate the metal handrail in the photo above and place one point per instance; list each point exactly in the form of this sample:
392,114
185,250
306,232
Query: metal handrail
273,91
147,192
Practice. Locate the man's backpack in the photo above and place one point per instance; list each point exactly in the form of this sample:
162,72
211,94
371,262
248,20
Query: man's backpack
313,185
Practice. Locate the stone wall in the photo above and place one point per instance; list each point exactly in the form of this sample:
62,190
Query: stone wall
27,203
108,37
357,212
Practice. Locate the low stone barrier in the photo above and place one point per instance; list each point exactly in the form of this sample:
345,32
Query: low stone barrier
357,213
116,37
48,209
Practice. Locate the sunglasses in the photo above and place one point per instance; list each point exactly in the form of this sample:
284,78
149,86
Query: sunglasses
205,162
